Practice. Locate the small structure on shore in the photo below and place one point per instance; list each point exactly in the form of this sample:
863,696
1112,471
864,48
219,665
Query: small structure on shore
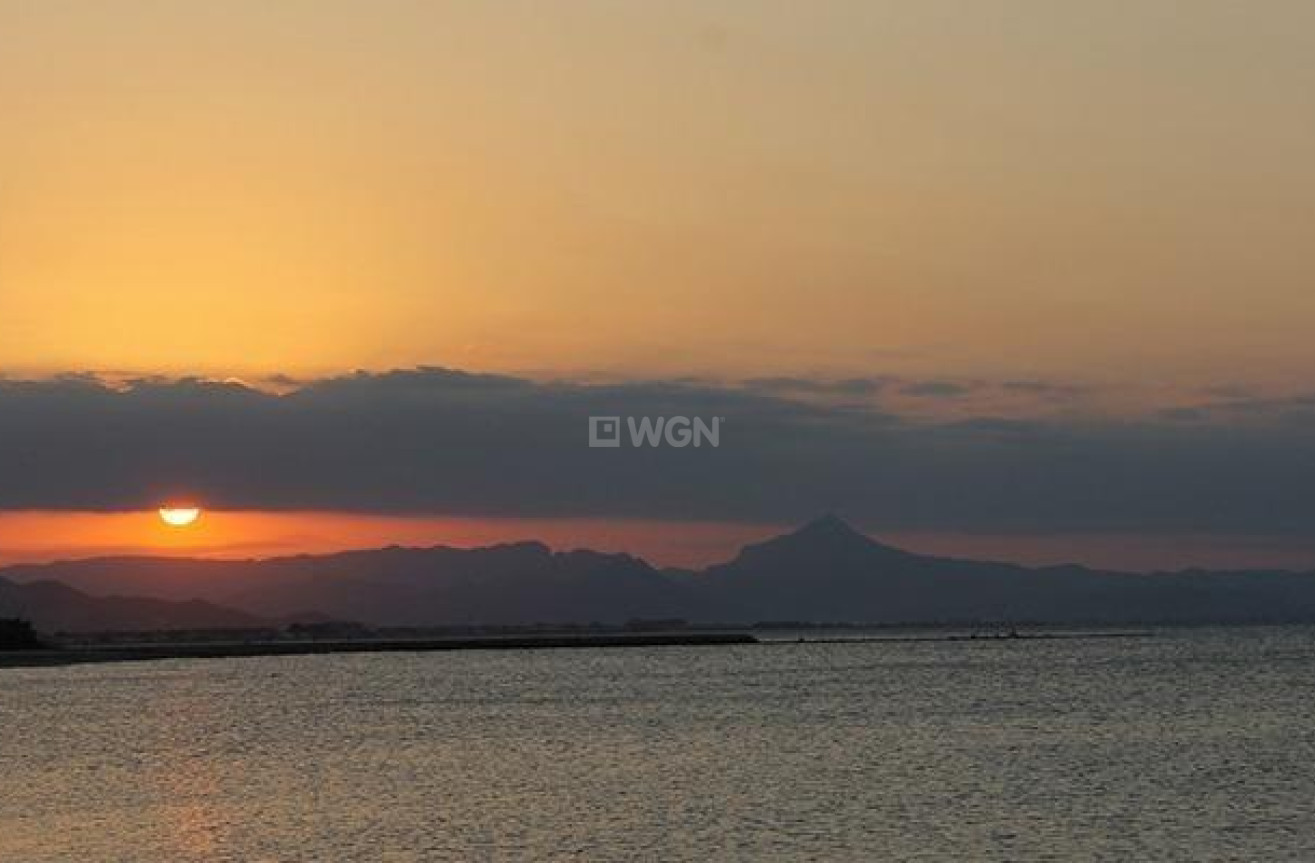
18,634
330,629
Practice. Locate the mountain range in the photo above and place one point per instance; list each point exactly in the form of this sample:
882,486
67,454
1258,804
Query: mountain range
56,607
823,572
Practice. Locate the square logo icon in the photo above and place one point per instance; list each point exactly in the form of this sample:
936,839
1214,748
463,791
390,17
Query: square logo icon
604,431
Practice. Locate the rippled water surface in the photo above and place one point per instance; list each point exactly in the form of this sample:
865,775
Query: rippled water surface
1191,745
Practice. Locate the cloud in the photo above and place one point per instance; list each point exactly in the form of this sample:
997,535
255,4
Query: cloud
866,386
1049,390
441,441
938,389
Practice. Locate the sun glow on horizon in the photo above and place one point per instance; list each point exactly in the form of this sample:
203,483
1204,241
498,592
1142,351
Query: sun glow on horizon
180,516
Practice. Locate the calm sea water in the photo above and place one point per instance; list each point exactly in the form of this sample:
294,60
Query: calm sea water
1194,745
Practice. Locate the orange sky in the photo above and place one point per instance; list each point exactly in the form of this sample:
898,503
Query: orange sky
1109,194
41,536
45,536
1069,189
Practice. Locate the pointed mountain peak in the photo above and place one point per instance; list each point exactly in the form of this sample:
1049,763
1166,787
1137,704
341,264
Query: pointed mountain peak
828,538
828,525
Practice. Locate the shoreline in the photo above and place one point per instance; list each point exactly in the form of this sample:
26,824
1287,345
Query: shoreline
54,657
986,638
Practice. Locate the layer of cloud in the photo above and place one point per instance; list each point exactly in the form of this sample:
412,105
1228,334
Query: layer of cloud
447,442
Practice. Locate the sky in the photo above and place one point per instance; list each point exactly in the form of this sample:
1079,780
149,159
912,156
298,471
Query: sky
921,243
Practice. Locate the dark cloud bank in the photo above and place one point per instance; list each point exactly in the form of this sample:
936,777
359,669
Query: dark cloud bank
441,441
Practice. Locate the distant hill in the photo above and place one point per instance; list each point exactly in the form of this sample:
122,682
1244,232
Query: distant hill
515,583
55,607
825,572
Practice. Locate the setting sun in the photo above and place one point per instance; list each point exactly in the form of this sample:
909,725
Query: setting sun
179,516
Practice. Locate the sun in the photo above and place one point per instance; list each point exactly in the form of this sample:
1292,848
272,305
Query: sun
179,516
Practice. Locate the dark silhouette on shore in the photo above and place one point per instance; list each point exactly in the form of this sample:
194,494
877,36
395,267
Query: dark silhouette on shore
18,634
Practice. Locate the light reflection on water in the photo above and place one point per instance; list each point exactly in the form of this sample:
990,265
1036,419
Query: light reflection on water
1192,745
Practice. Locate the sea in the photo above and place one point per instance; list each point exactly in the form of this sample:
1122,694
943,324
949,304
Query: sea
1183,744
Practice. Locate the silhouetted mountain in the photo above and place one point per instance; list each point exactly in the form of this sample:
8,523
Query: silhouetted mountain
515,583
825,571
56,607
